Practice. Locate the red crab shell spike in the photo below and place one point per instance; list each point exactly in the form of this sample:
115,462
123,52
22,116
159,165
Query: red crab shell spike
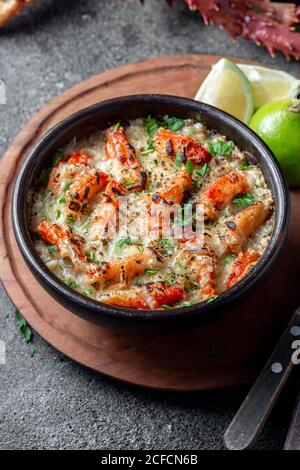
261,21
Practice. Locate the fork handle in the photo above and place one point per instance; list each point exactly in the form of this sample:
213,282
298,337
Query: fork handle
255,410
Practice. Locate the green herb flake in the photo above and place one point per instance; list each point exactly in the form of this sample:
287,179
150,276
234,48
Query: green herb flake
57,157
229,258
166,306
52,249
212,299
189,167
151,125
117,126
129,183
69,281
172,123
204,170
62,200
151,271
32,353
149,149
179,159
166,244
88,291
25,329
69,220
244,200
123,241
221,148
67,263
57,214
245,165
92,256
67,185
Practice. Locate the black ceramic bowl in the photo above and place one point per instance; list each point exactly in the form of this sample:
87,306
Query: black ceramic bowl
100,116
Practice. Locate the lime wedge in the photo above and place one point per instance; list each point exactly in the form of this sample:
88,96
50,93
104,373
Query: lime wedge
269,84
226,87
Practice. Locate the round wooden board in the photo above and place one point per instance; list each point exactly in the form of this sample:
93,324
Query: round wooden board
226,352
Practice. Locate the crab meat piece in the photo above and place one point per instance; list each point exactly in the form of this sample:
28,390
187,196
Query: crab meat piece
241,266
105,216
119,148
174,193
123,270
221,192
69,244
83,189
202,271
168,143
79,160
151,296
239,227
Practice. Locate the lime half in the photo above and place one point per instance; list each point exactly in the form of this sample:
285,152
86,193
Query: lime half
226,87
269,84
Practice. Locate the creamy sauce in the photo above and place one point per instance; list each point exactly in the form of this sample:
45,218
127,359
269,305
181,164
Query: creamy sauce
50,204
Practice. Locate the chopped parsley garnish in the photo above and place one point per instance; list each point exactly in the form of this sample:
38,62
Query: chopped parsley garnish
86,225
123,241
229,258
57,214
67,262
151,125
67,184
212,299
151,271
92,256
52,249
57,157
25,329
204,170
88,291
172,123
245,165
166,306
166,244
149,149
189,167
244,200
70,220
129,182
62,200
221,148
179,159
117,125
70,282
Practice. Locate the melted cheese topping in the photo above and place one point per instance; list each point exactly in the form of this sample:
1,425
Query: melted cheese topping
192,271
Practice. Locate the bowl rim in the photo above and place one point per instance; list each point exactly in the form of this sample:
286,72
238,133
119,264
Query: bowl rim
282,216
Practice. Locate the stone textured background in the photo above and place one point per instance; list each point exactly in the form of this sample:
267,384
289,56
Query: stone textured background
48,402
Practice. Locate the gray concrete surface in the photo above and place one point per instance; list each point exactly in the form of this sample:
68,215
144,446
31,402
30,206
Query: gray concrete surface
48,402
